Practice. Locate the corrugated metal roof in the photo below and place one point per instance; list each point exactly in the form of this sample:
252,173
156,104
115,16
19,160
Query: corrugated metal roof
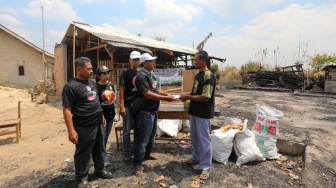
25,41
124,40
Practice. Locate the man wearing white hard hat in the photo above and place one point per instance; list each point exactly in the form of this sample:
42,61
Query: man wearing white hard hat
127,93
146,118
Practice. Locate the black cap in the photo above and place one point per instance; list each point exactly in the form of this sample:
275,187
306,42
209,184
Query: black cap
102,69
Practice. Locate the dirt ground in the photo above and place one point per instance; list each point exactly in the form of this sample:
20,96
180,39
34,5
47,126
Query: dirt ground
39,159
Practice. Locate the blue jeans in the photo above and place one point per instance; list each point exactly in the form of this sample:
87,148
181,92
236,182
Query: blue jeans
144,136
107,130
128,124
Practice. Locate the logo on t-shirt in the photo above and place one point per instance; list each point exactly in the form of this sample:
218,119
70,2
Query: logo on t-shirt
154,84
134,83
91,94
108,96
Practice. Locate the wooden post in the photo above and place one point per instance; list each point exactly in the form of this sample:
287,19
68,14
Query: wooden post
74,50
154,54
19,116
112,67
98,54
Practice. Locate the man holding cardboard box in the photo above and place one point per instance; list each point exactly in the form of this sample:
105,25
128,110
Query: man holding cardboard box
201,110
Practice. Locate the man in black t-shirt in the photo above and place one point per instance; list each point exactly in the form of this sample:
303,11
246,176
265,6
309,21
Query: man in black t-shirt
201,110
146,119
127,93
84,120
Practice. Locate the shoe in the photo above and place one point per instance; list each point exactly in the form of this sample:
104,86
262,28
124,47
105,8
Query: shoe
127,157
205,174
138,171
104,174
151,157
191,162
107,163
84,184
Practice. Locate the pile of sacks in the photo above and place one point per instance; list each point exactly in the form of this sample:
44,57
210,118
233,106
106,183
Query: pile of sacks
257,144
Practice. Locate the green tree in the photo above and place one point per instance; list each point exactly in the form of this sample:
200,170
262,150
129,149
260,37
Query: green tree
160,39
214,69
318,61
253,66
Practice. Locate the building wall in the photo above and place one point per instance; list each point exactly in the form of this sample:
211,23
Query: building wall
60,67
15,53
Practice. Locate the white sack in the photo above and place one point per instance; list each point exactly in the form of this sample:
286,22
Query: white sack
245,147
170,127
222,144
266,130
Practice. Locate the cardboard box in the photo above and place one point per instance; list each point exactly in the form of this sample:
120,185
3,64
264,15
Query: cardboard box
188,81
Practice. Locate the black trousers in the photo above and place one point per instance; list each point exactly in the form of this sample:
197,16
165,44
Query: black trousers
90,141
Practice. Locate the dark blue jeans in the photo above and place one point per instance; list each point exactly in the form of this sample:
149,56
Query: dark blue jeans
144,135
128,124
107,130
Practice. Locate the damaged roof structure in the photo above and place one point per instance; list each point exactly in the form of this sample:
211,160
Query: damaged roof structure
112,48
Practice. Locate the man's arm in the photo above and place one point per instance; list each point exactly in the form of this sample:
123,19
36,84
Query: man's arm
73,136
153,96
122,101
197,98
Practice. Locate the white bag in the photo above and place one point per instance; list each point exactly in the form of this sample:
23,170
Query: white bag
245,147
266,130
170,127
222,144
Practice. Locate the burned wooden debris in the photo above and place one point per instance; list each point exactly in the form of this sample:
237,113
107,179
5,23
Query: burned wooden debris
291,77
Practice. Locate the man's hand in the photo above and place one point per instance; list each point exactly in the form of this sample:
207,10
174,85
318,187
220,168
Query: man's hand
169,98
73,137
184,97
104,121
122,111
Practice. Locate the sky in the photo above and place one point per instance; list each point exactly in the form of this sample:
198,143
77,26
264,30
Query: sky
241,30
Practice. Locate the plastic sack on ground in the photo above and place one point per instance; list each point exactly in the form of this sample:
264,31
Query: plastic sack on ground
222,144
266,130
170,127
245,147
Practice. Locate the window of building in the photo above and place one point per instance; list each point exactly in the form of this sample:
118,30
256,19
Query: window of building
21,70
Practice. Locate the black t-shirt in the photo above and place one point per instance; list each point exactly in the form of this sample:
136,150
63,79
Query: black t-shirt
126,79
82,97
146,81
106,95
204,84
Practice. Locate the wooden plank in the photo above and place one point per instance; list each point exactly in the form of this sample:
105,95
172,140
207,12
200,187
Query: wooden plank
174,90
9,123
93,48
178,139
7,133
172,112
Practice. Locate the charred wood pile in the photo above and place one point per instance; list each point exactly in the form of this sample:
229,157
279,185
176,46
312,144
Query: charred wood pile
291,77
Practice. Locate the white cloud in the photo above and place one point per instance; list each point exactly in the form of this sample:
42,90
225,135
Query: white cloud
52,37
10,20
9,10
162,19
88,1
284,29
52,9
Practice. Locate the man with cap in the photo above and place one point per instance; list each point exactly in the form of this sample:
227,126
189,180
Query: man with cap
127,94
84,120
146,119
106,95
